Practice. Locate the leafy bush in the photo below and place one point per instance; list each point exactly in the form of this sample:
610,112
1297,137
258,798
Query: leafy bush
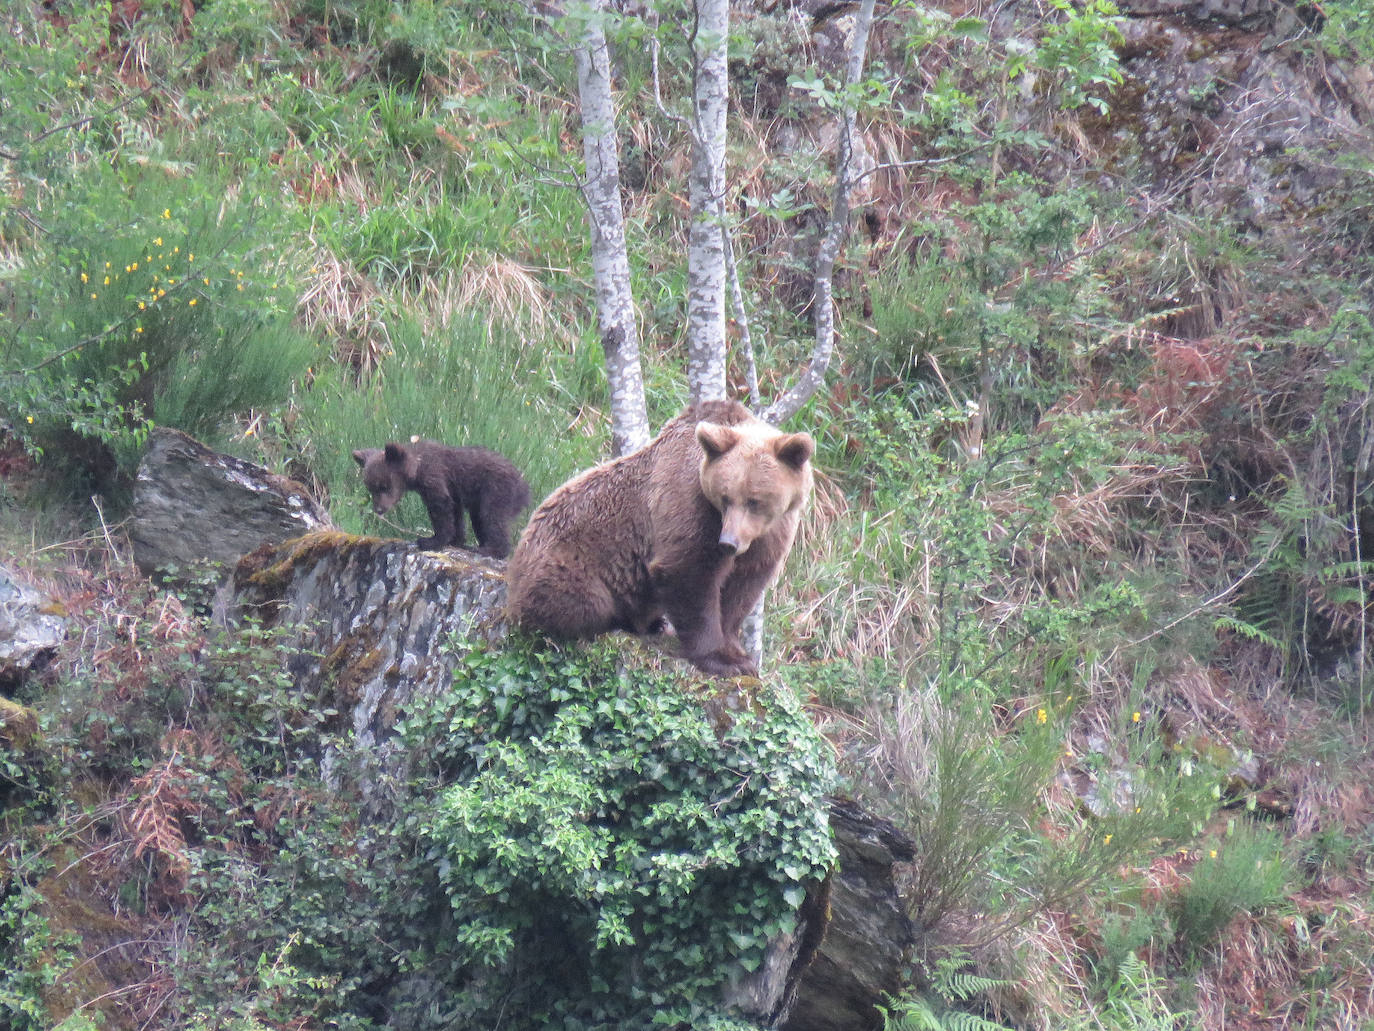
156,301
610,850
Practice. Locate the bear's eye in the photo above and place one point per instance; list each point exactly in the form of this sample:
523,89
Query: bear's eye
754,505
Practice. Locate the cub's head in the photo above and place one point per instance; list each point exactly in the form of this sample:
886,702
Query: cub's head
755,477
385,473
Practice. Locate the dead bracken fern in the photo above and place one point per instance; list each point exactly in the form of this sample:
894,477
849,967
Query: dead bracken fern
164,799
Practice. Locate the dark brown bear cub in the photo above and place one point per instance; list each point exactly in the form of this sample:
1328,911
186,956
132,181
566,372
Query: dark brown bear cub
692,526
451,480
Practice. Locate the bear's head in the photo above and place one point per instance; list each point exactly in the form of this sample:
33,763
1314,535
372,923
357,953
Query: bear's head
386,474
754,476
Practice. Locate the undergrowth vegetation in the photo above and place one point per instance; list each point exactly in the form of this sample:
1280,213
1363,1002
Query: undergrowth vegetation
1082,602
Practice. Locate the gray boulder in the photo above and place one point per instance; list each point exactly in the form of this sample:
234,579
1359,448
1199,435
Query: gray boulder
32,625
195,509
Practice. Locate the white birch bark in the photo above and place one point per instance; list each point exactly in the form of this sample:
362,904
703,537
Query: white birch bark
606,219
823,301
705,250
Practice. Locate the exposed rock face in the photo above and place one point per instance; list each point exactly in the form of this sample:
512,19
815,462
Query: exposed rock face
368,618
31,628
860,959
194,507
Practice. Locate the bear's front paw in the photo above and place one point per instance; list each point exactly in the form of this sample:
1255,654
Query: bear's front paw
727,662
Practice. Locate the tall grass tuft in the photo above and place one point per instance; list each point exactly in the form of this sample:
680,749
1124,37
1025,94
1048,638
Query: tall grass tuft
469,383
1247,871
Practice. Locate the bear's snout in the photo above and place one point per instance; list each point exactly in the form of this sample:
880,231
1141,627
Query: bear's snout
730,544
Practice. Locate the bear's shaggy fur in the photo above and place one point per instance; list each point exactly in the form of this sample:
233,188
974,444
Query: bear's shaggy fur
691,527
451,481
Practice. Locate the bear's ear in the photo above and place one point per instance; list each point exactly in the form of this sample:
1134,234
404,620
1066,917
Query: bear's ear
794,449
395,454
715,439
363,455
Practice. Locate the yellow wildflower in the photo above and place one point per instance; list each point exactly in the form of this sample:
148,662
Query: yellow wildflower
107,280
192,302
84,278
240,286
141,306
157,241
93,297
1212,854
30,420
166,212
138,329
1135,717
206,280
162,293
1107,840
1041,716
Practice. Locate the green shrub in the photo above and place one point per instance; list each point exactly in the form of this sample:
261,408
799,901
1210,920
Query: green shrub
156,301
615,848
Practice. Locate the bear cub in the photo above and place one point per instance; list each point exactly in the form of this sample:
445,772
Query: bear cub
691,527
451,481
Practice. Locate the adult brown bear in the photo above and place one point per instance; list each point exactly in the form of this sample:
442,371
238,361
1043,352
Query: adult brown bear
451,481
691,527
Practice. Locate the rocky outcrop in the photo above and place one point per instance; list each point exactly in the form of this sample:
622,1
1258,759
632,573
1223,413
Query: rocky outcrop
861,958
372,624
31,627
195,509
369,621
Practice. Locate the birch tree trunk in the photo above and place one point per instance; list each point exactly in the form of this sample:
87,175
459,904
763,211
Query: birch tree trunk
823,301
610,262
705,253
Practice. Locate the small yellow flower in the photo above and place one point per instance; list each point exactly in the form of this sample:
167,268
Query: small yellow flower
190,256
162,293
1041,716
166,212
206,280
157,241
107,280
176,250
107,264
138,329
1107,840
1135,717
147,257
141,306
30,420
1212,854
240,286
192,302
166,268
132,268
93,297
85,278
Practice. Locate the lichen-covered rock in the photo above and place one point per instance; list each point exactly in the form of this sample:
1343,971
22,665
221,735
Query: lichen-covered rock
31,627
860,960
194,508
370,624
368,620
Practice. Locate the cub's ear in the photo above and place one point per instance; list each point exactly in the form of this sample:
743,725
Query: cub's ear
395,454
363,455
715,439
794,449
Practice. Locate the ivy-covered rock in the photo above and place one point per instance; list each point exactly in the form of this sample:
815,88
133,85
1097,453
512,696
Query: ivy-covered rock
619,855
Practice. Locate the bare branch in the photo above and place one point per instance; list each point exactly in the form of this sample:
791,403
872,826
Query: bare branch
823,303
